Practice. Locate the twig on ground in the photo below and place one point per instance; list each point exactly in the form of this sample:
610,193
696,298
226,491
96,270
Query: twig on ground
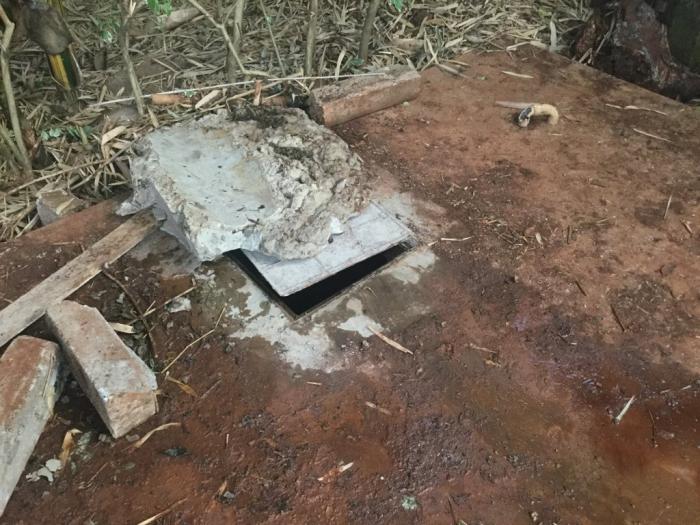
7,139
618,418
145,438
668,205
166,303
190,345
650,135
273,81
311,34
137,307
156,517
391,342
617,318
653,429
9,29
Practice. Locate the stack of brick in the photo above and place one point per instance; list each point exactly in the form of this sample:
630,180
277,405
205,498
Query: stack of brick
118,383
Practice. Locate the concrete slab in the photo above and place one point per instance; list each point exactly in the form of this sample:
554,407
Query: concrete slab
268,179
120,386
371,232
30,383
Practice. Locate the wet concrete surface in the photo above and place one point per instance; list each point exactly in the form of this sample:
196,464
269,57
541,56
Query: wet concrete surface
568,285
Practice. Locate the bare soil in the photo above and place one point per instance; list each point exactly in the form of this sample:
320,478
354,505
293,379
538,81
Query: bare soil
577,287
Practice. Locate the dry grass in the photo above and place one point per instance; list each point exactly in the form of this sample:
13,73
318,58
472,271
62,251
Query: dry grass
89,145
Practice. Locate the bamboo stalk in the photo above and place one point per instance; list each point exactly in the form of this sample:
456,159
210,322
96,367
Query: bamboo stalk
227,39
311,38
128,10
10,94
367,29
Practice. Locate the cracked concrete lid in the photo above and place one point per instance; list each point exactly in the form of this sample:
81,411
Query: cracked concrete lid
368,234
264,179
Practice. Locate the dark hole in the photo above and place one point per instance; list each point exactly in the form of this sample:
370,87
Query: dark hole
309,298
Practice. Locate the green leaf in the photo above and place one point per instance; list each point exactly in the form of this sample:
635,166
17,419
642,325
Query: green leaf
409,503
398,4
160,7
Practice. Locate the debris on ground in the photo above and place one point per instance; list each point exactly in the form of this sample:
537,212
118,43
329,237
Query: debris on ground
54,204
118,383
532,283
529,110
181,57
33,304
335,472
356,97
31,381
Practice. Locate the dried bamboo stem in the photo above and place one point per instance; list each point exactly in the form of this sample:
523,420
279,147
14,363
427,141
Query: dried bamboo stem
272,37
128,10
237,37
311,38
10,94
227,39
7,139
367,29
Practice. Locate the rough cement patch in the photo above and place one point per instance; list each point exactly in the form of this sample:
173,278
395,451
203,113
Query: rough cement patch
412,266
271,181
310,350
308,342
359,323
165,253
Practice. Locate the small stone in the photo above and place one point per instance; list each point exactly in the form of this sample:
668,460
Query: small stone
175,452
52,205
227,497
53,465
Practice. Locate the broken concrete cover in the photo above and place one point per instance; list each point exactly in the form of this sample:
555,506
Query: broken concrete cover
263,179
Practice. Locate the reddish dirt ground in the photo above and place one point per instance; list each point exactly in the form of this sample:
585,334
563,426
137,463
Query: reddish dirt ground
577,288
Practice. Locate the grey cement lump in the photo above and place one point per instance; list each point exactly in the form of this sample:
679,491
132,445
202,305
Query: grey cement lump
262,179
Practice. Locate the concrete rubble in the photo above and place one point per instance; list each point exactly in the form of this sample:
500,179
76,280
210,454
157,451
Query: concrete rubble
263,179
52,205
117,382
30,383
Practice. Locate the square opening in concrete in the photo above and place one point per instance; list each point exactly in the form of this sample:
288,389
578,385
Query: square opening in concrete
318,294
369,241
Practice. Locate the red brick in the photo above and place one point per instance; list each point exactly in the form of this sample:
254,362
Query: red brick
119,384
30,382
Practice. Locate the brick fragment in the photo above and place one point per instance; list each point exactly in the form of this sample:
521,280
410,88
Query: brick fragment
30,382
355,97
117,382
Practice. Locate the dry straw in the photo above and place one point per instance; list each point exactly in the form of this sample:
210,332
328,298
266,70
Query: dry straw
88,146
